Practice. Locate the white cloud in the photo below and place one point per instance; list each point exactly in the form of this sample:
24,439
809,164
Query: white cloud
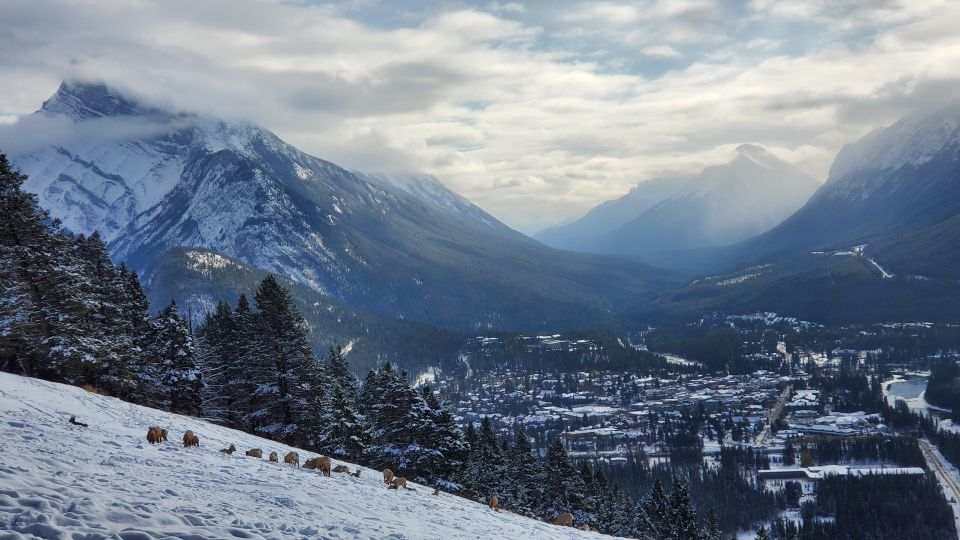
534,114
661,51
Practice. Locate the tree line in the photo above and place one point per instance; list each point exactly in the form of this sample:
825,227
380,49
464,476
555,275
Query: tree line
69,314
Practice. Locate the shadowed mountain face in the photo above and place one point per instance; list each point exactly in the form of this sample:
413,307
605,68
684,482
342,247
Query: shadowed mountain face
723,204
897,190
879,241
403,246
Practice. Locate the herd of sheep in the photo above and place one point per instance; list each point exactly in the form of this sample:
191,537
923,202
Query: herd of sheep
157,434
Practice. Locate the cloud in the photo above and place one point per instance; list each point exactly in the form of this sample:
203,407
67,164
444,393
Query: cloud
36,131
535,111
661,51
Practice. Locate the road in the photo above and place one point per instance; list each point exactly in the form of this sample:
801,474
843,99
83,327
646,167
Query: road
945,477
774,415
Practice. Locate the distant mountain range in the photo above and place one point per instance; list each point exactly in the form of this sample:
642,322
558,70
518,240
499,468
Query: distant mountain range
880,240
721,205
152,180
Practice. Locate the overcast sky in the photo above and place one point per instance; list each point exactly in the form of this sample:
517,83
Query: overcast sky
535,111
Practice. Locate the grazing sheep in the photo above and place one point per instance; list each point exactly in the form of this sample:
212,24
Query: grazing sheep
387,476
274,458
189,439
565,519
153,435
256,452
341,468
398,482
324,463
495,503
230,450
163,434
292,458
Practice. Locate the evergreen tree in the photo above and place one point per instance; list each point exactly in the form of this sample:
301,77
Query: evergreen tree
762,534
564,489
337,369
486,469
524,471
657,509
45,323
177,378
683,520
282,380
218,357
713,525
345,435
443,435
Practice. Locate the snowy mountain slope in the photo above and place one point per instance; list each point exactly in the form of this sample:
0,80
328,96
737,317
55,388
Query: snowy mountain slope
896,189
896,194
722,204
609,215
197,279
105,481
400,246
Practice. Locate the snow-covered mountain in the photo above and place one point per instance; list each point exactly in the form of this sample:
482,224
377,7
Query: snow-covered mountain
106,481
897,190
879,241
402,245
609,215
722,204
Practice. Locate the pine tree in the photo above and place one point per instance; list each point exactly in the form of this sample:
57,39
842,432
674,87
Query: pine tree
762,534
657,509
564,489
683,520
713,525
45,325
218,358
485,470
524,471
443,435
283,388
346,435
177,376
337,368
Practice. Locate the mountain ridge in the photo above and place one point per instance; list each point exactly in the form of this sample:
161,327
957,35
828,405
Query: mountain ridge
722,204
401,246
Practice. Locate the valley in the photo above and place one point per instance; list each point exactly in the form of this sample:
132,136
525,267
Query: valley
732,347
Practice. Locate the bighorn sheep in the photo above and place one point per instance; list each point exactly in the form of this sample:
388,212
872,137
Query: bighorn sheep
256,452
324,465
292,458
495,503
163,434
230,450
387,476
341,468
189,439
153,435
398,482
274,457
565,519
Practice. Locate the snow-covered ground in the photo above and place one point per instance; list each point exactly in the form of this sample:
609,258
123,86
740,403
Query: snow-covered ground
58,480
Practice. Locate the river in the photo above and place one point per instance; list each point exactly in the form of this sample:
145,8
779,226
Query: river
911,389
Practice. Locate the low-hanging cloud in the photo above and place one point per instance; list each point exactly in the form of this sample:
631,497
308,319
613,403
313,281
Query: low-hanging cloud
40,130
535,111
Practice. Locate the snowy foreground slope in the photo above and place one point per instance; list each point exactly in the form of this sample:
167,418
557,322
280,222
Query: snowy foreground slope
63,481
